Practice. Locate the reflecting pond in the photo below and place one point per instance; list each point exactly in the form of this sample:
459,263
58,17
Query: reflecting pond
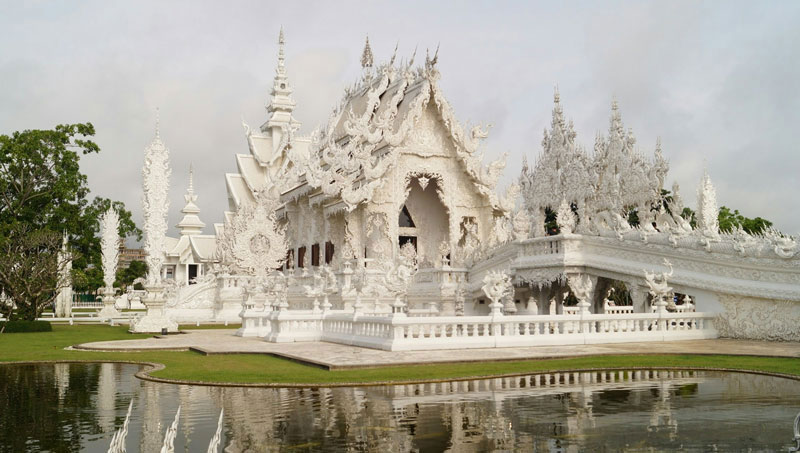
77,407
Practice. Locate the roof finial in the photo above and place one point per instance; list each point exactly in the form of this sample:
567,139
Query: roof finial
281,54
191,179
158,120
394,54
556,95
366,55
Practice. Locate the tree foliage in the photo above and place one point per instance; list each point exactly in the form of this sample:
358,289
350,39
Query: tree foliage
729,220
30,271
126,276
44,193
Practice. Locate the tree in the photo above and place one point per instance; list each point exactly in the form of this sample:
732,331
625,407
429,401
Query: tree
126,276
729,220
31,270
43,193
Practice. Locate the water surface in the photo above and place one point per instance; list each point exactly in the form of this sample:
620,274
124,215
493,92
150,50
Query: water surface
77,407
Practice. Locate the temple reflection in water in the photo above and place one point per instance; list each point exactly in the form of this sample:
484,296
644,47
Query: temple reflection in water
82,404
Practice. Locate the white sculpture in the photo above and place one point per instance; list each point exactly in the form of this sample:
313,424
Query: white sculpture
253,241
565,218
521,225
707,210
109,245
660,290
63,303
398,277
325,284
155,207
497,286
582,287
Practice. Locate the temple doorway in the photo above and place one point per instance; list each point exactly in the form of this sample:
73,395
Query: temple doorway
423,220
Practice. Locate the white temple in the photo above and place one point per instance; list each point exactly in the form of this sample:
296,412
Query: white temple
385,229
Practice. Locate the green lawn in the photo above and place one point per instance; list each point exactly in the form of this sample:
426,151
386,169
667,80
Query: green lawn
254,368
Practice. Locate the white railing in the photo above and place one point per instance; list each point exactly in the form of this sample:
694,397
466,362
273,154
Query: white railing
463,332
94,304
570,310
616,309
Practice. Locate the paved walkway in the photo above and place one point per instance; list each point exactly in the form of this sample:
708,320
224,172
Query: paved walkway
336,356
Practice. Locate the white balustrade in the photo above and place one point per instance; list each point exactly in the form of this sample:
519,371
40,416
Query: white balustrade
459,332
617,309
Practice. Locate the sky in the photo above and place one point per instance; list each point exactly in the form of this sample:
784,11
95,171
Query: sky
717,81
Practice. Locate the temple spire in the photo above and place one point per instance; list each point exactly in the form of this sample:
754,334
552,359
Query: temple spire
281,53
281,105
158,121
190,224
366,56
616,120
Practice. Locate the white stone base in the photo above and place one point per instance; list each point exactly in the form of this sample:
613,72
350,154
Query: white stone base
108,312
153,324
156,320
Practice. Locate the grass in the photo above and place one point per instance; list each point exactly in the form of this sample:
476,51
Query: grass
256,368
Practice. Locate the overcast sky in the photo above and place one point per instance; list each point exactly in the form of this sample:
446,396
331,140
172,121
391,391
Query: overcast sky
717,81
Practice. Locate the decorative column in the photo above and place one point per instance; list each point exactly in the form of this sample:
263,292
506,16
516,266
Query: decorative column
638,297
64,296
155,207
109,245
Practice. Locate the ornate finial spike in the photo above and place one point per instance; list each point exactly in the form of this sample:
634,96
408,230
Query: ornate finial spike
435,55
394,54
158,121
191,179
366,55
281,55
556,95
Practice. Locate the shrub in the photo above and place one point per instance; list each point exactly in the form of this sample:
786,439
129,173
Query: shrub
25,326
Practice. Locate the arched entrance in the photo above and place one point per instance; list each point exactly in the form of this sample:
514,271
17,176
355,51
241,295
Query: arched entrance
423,220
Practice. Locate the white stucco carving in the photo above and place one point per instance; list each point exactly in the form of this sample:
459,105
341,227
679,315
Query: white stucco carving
109,246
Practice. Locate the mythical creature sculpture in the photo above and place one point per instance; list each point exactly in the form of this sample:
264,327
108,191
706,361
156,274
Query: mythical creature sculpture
399,274
660,290
497,286
581,287
521,224
565,218
325,284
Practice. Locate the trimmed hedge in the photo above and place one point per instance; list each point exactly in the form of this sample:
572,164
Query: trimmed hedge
25,326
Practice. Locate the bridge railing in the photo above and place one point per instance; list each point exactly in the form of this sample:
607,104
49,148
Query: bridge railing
460,332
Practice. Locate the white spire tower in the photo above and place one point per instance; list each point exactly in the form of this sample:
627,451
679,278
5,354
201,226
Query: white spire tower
281,105
707,210
191,223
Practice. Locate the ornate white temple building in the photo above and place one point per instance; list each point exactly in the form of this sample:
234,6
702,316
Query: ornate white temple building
384,228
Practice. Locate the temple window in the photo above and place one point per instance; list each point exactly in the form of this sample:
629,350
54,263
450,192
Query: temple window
328,252
191,273
405,219
315,255
404,239
301,257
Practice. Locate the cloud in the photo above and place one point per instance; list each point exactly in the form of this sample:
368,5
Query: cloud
716,81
